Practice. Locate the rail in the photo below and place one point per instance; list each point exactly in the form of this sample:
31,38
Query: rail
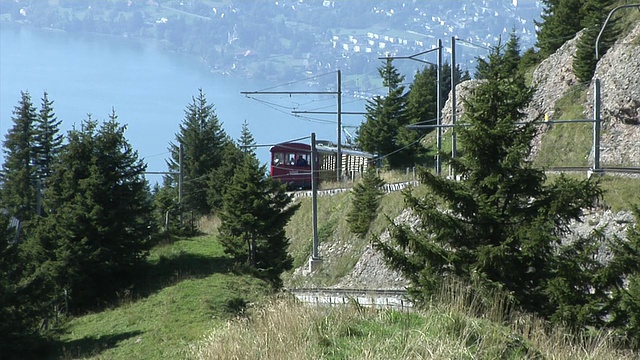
387,188
605,169
373,298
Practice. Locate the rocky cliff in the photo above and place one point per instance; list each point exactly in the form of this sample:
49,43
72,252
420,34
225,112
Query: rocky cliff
619,74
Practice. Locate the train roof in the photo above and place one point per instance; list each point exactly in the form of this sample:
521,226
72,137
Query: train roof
332,149
322,146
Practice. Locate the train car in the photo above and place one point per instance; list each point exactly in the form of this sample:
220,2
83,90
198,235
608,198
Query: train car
291,163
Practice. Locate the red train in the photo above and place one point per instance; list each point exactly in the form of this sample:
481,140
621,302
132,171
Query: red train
291,163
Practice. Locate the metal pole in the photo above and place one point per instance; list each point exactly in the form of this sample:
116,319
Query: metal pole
607,21
439,117
339,149
314,196
181,180
453,102
596,126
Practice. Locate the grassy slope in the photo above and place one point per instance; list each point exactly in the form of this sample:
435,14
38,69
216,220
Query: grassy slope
186,294
455,326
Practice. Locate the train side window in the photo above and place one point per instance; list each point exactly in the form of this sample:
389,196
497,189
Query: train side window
292,159
278,158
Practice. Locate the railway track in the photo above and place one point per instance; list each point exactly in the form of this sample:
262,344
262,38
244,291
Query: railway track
629,171
605,169
375,298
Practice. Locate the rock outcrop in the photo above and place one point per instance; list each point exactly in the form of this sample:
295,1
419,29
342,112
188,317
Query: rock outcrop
619,74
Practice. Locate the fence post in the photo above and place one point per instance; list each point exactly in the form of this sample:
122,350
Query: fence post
596,126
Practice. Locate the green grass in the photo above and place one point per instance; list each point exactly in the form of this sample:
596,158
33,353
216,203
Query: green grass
187,291
567,144
621,193
332,210
456,325
334,229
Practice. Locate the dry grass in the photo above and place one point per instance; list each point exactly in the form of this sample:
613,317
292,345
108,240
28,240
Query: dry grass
458,325
209,224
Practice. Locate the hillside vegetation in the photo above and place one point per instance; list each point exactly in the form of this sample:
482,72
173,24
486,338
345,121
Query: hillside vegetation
191,306
188,289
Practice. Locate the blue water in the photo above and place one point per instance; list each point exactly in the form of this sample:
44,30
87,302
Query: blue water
149,88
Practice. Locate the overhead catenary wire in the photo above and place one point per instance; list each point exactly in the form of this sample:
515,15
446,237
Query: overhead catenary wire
298,81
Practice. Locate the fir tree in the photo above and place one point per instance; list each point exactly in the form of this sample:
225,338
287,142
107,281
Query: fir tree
561,21
246,142
18,190
203,141
498,226
18,325
385,116
99,211
421,110
255,212
391,77
366,200
620,280
47,139
593,14
221,177
509,63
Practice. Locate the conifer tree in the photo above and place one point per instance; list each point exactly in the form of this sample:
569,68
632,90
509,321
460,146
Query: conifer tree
18,191
593,14
18,323
220,177
509,63
366,200
255,212
500,224
391,77
421,110
203,141
99,210
47,138
561,21
246,142
385,116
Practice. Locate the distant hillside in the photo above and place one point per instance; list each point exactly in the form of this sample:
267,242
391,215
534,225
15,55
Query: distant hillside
289,39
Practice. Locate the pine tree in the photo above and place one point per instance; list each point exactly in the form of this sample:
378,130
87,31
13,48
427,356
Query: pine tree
620,284
366,200
18,190
246,142
385,116
221,177
561,22
255,212
99,211
593,14
498,226
510,60
18,325
47,140
391,77
421,110
203,141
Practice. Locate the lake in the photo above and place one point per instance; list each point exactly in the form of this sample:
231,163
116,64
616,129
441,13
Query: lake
149,88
